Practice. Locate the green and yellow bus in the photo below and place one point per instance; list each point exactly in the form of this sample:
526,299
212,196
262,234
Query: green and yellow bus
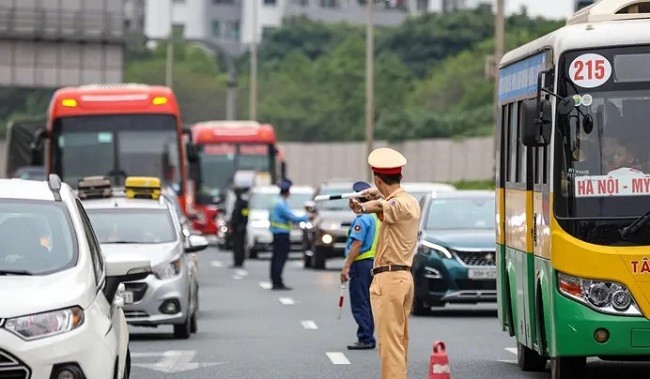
573,191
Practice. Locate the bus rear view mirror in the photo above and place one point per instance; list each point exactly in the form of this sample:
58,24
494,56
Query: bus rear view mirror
536,123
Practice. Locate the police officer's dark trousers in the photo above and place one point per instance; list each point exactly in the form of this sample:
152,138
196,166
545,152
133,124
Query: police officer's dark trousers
281,246
238,241
360,279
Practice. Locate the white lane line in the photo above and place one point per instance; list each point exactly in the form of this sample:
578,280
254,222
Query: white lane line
338,358
217,264
237,277
512,350
266,285
309,324
286,301
509,361
241,272
297,264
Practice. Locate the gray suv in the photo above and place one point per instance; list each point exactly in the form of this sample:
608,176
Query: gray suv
328,234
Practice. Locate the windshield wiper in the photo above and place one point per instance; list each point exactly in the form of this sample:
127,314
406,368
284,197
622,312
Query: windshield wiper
15,272
121,242
635,225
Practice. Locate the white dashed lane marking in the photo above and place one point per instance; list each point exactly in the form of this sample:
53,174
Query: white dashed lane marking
512,350
217,264
265,285
241,272
286,301
309,324
338,358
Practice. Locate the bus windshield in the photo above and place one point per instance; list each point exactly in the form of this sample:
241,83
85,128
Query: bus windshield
220,161
605,170
117,146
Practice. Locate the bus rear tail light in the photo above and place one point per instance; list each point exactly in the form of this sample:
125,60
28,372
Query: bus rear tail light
69,103
602,296
159,100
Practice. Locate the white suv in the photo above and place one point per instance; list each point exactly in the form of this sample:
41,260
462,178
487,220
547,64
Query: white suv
61,312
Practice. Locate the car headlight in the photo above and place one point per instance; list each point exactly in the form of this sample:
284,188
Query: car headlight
305,225
428,248
599,295
168,269
260,224
327,238
46,324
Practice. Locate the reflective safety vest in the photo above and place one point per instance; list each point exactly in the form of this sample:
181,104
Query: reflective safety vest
373,248
281,225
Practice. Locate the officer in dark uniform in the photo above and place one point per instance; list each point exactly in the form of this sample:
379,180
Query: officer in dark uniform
239,218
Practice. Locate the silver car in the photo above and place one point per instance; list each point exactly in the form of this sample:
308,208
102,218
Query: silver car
150,229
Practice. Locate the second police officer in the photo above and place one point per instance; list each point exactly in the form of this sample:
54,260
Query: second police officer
282,220
360,253
242,183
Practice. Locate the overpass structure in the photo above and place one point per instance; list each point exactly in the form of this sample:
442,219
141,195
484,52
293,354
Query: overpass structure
55,43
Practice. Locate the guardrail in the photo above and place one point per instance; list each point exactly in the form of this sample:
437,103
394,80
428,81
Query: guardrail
21,23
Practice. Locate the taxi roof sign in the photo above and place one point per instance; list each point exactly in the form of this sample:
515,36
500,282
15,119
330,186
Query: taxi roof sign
94,187
142,187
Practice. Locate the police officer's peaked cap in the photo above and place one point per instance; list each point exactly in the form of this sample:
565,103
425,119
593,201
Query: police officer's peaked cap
386,161
360,186
285,184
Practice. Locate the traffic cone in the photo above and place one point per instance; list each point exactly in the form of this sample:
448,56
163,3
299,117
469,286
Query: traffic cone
439,362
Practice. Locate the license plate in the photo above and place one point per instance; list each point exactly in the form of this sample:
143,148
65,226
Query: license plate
128,297
482,273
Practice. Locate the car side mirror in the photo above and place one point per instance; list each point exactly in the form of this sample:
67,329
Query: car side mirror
123,268
196,243
536,123
37,147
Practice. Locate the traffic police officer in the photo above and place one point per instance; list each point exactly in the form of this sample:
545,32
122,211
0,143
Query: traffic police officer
391,291
360,253
242,183
281,219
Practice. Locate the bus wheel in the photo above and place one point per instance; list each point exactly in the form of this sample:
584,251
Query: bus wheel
529,359
567,367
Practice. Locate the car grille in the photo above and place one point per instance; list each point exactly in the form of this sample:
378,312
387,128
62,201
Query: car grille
138,289
135,314
469,284
12,368
476,258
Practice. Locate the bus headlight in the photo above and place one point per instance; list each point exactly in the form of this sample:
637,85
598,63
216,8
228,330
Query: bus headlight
46,324
427,248
602,296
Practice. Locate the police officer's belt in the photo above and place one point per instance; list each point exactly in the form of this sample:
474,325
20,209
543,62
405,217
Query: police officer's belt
381,269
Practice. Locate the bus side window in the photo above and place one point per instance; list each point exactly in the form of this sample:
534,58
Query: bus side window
513,145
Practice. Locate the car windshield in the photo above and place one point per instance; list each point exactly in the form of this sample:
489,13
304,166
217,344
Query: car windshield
334,205
37,237
117,146
266,200
132,225
461,213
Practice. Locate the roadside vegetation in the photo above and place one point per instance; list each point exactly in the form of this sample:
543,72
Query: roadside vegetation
429,78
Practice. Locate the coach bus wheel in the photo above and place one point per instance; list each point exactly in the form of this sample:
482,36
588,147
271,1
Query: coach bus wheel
567,367
419,308
529,359
319,258
306,259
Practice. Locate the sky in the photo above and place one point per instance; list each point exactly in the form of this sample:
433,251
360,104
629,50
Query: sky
556,9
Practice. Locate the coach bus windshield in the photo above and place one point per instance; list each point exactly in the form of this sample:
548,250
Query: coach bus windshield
605,170
117,146
220,161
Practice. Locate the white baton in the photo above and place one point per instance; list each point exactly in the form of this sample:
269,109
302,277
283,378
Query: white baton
339,196
341,297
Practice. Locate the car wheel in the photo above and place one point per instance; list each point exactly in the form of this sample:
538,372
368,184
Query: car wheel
183,331
419,307
193,324
529,360
127,365
306,260
567,367
319,258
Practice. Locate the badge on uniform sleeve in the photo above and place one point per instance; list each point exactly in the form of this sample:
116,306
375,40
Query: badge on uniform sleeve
392,202
357,228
